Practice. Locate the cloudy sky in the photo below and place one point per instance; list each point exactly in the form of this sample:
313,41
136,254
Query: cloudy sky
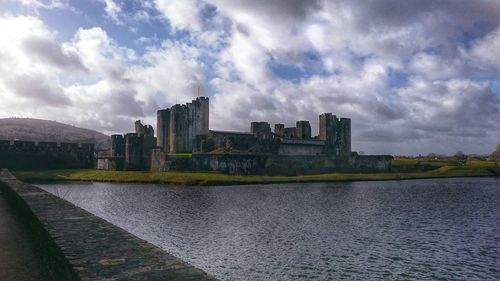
415,76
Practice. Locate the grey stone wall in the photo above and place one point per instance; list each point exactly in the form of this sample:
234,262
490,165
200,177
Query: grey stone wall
162,128
261,130
303,129
25,155
375,163
133,152
299,149
179,127
336,133
236,140
279,129
85,247
271,164
117,145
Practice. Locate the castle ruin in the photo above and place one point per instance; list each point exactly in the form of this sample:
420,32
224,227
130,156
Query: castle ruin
185,143
130,152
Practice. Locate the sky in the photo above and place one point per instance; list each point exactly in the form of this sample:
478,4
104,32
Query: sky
414,76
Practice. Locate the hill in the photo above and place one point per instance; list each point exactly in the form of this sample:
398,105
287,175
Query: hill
45,130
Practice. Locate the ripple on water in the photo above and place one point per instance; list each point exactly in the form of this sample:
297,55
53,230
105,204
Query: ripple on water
444,229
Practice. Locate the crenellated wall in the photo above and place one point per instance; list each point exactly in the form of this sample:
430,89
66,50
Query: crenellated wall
336,133
25,155
180,126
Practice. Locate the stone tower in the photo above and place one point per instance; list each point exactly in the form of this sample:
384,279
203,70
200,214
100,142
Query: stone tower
345,136
162,129
262,130
278,129
336,133
180,127
117,146
303,129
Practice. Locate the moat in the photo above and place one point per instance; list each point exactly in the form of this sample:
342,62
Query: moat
412,230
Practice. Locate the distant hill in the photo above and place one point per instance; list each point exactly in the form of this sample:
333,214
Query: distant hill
45,130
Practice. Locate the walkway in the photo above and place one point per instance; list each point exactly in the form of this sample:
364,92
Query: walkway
17,257
92,248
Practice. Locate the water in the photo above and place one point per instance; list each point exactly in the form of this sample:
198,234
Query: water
446,229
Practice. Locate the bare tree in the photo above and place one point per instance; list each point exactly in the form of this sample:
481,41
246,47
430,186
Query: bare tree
460,155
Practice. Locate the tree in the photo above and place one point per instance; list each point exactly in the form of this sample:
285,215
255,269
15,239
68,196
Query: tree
460,155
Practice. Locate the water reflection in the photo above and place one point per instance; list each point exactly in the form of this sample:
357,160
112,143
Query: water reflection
420,229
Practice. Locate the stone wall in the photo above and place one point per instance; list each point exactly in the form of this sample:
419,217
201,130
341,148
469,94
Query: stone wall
270,164
25,155
179,126
261,130
299,149
129,152
84,247
336,133
236,140
372,163
303,129
162,128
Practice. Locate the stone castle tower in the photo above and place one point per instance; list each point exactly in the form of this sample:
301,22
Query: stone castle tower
181,126
336,133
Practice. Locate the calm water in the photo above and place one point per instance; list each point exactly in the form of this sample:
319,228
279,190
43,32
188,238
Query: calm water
447,229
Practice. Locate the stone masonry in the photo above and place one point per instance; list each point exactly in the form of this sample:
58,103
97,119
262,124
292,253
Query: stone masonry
184,129
93,248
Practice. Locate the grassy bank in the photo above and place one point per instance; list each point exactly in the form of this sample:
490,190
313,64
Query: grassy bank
473,169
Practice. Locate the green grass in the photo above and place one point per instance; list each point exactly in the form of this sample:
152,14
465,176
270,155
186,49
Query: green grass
436,163
181,155
473,169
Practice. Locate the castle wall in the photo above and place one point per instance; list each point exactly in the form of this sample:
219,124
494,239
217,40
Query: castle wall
254,164
336,133
372,163
25,155
279,129
148,144
201,116
290,133
117,145
133,152
143,130
239,141
163,128
300,147
345,136
186,123
261,130
303,129
179,127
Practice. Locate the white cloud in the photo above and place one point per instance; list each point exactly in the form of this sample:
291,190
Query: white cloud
91,80
486,51
413,72
112,10
182,14
46,4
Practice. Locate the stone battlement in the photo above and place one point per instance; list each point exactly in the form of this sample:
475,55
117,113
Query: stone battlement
185,129
46,155
8,144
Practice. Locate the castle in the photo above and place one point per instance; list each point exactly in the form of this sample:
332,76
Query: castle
184,142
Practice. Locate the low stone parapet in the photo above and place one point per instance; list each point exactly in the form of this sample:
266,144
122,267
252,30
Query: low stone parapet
93,248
